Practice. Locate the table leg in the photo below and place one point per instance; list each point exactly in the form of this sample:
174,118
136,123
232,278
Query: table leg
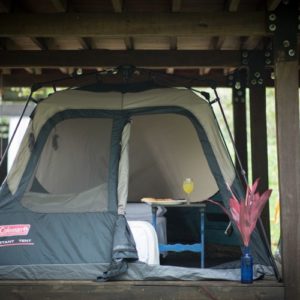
202,224
154,214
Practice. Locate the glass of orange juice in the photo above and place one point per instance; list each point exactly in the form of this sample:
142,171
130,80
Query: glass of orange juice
188,187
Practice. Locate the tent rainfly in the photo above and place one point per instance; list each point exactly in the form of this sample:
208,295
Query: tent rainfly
85,154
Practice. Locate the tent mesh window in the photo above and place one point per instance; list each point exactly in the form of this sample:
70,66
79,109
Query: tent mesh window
164,150
73,167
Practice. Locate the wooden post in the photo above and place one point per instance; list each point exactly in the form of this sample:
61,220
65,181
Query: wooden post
238,84
287,117
288,139
258,123
259,145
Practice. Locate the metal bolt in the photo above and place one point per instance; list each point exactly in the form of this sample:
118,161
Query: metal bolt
240,93
268,61
253,81
272,17
292,52
236,99
273,75
245,61
267,54
244,54
260,81
272,27
257,74
237,85
286,43
79,71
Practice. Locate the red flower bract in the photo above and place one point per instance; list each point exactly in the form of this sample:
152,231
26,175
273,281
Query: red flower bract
244,213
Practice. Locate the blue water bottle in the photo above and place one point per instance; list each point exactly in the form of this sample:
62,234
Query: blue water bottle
246,266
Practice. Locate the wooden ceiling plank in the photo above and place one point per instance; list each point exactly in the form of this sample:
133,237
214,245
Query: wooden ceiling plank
170,71
38,71
217,42
146,24
85,43
250,42
106,58
173,42
272,4
233,5
129,43
40,42
29,70
6,71
117,5
176,5
60,5
63,70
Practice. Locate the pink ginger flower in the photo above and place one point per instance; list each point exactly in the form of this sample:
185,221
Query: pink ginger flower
245,213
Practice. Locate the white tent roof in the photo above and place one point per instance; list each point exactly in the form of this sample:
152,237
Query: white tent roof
162,97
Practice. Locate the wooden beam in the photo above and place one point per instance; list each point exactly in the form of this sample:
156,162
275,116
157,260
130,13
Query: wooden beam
287,117
5,6
164,290
272,4
259,145
17,79
233,5
117,5
133,24
107,58
239,119
60,5
176,5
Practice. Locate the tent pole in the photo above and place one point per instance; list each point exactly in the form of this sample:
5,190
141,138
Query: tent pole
243,172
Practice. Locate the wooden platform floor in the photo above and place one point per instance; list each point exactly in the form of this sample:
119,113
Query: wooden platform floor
131,290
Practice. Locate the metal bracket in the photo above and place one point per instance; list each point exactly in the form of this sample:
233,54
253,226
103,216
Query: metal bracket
237,81
255,62
284,23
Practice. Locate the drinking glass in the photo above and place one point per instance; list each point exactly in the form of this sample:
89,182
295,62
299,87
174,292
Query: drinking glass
188,187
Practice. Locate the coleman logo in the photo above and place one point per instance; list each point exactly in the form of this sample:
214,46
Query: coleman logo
14,230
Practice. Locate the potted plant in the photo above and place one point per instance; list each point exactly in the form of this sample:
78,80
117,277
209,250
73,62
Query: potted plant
244,213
